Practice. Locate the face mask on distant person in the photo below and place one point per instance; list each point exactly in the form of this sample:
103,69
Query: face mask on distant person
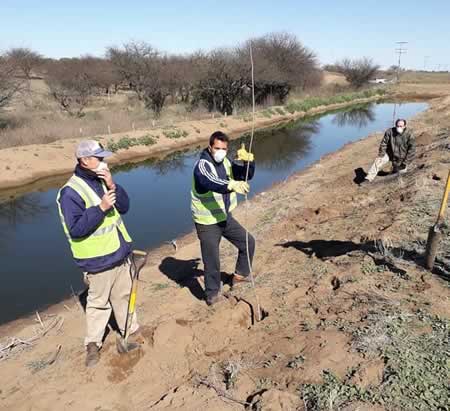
101,166
219,155
400,130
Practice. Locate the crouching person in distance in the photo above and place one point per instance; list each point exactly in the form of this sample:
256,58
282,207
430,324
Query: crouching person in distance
398,146
213,197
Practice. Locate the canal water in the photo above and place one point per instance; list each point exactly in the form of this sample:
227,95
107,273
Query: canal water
36,266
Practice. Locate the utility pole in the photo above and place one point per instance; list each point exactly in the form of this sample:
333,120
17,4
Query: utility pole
400,50
425,60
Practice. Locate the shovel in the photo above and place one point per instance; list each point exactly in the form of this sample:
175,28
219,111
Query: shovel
435,234
138,260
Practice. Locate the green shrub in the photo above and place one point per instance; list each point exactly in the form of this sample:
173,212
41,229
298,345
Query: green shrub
175,133
313,102
126,142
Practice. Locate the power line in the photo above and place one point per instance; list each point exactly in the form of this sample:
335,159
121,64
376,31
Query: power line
400,50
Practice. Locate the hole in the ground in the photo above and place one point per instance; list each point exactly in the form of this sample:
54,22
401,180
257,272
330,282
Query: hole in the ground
254,315
335,283
251,397
264,314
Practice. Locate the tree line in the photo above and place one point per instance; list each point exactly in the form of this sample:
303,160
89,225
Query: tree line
219,80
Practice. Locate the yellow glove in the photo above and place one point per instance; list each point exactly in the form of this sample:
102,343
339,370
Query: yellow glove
240,187
244,155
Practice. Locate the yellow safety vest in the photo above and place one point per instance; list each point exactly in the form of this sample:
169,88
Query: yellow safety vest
105,239
209,208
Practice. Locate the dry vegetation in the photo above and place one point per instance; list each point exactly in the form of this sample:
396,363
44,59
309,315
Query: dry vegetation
137,86
425,77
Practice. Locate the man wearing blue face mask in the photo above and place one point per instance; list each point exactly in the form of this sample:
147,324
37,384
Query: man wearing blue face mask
398,146
213,197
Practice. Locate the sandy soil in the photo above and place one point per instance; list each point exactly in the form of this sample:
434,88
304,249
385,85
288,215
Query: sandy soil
320,277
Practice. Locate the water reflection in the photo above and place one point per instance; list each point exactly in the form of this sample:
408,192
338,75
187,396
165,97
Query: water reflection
360,116
21,209
281,147
161,166
172,162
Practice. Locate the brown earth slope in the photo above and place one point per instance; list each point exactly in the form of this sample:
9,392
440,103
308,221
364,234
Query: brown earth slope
354,321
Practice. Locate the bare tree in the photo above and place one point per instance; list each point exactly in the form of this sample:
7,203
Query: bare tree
145,69
70,85
10,84
221,82
182,73
330,67
25,59
102,73
358,72
281,64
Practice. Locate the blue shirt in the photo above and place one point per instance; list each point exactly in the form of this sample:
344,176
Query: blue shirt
82,222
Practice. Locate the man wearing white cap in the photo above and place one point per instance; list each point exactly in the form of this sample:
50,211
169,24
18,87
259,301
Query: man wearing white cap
90,206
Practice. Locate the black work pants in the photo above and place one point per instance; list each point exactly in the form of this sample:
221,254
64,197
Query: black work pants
210,236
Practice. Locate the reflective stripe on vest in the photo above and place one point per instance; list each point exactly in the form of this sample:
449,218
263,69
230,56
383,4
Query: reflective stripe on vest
209,208
105,239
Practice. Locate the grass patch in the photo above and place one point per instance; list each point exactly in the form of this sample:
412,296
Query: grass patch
269,112
280,111
332,393
160,286
313,102
266,113
246,117
416,369
176,133
124,143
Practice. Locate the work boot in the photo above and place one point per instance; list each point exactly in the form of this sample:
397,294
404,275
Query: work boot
214,299
365,182
92,354
240,279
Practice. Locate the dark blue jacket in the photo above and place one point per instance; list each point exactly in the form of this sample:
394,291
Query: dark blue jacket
82,222
205,179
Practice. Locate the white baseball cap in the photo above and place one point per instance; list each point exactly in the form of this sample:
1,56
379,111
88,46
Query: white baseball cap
91,148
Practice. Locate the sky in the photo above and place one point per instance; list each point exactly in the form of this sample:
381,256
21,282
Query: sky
332,29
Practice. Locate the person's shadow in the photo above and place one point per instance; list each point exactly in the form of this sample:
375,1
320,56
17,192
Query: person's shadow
185,273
